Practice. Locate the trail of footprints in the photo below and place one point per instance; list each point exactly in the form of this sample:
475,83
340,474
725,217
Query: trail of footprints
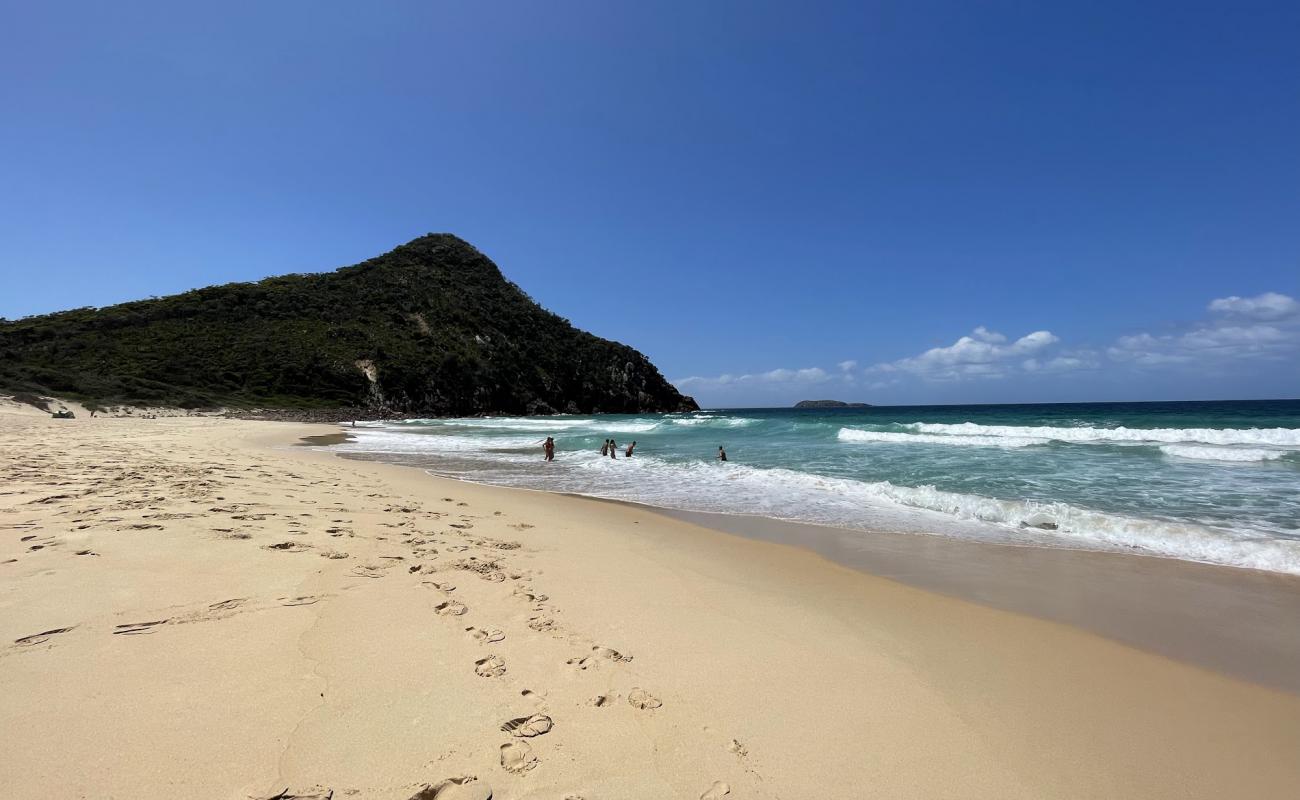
518,755
129,497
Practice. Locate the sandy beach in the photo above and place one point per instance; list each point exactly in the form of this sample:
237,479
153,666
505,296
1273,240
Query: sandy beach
196,607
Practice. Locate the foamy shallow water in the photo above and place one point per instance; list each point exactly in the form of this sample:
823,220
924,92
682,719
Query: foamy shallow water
1212,482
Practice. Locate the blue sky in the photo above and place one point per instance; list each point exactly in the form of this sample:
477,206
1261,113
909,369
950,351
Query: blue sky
903,202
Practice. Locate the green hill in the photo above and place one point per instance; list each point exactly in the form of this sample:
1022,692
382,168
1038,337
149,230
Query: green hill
430,328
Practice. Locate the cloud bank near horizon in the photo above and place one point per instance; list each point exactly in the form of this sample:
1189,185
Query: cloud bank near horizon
1236,333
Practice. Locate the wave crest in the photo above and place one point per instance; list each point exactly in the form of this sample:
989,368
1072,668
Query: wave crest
1212,453
856,435
1275,437
717,422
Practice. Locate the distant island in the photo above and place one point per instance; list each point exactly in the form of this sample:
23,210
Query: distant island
430,329
829,404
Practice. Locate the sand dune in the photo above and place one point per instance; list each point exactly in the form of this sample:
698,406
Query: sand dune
191,607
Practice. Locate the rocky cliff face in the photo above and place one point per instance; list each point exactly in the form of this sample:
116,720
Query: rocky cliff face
431,328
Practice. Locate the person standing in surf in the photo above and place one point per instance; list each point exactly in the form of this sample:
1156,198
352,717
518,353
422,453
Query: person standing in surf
630,448
549,448
604,448
722,454
613,449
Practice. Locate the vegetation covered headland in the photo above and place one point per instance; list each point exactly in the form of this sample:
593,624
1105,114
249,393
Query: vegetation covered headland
430,328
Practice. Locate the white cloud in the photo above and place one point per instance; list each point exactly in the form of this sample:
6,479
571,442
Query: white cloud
1266,306
983,354
1264,326
985,335
808,375
1238,329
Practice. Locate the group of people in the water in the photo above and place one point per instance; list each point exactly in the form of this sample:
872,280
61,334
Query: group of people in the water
609,448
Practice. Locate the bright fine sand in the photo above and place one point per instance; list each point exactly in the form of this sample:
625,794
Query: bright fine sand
195,608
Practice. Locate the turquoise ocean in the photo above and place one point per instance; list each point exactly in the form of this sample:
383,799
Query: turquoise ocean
1216,482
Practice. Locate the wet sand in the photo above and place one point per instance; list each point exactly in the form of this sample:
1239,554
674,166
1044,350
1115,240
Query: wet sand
1241,622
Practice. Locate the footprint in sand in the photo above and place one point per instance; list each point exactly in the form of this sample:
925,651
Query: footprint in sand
305,600
640,698
37,638
528,727
717,790
597,655
138,628
528,596
314,793
450,608
490,667
466,787
486,636
610,653
541,624
517,757
442,587
288,547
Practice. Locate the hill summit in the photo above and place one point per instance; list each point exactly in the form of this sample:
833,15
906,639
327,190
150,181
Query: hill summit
432,328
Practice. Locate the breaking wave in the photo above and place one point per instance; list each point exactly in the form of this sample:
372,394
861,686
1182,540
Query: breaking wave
791,494
1212,453
1276,437
716,422
856,435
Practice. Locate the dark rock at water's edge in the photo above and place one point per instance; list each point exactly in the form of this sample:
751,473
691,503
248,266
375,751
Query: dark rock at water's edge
829,404
429,329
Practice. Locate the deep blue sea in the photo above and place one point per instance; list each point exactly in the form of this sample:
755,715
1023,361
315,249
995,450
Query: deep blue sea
1205,481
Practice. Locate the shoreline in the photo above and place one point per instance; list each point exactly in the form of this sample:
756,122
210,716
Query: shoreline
243,617
1184,610
1189,611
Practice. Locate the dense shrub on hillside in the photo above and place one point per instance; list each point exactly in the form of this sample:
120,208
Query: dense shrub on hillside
438,326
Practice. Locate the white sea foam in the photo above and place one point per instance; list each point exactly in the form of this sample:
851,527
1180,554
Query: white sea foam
1092,529
1275,437
512,456
627,427
717,422
856,435
517,423
386,441
1213,453
799,495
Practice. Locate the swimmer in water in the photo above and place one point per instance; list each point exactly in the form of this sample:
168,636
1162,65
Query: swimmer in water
722,454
